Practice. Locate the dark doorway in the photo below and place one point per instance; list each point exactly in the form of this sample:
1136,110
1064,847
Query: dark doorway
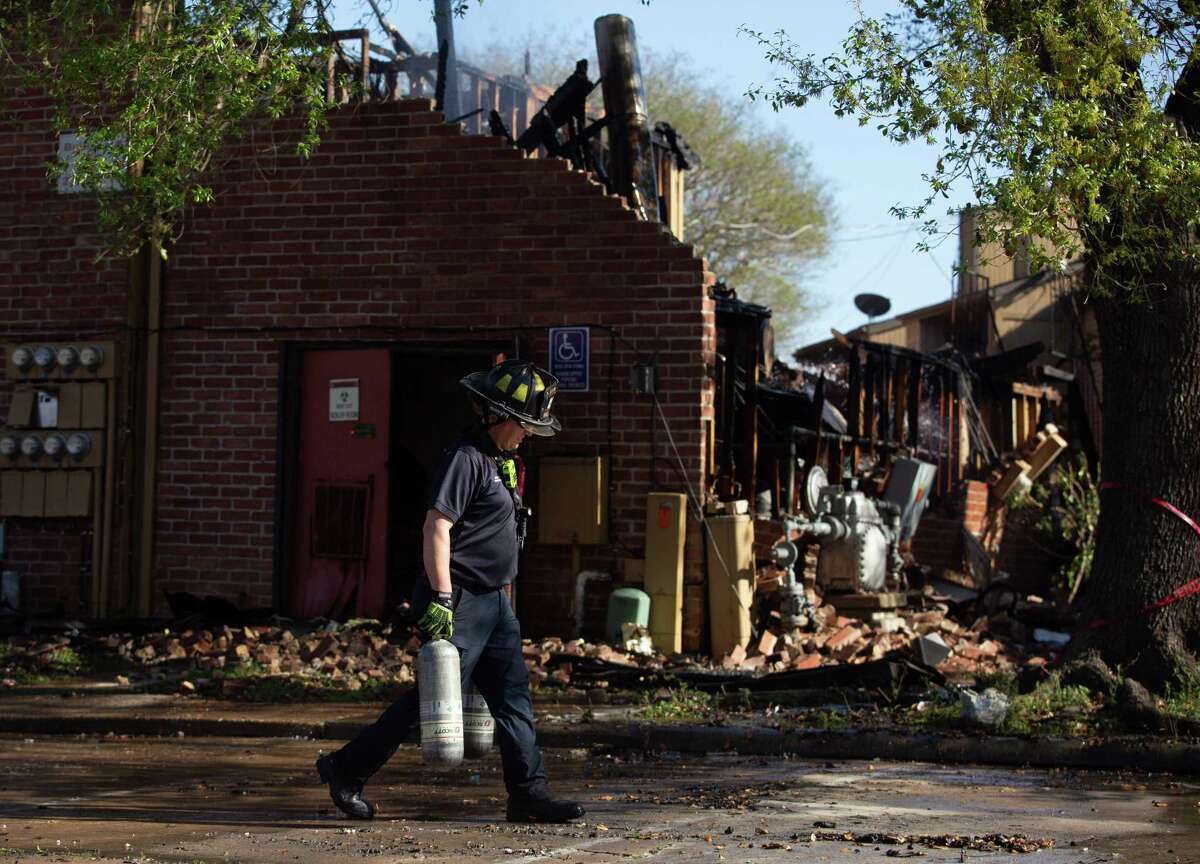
429,413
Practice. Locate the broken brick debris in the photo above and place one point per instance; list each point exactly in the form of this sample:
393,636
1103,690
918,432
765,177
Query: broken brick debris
325,655
998,643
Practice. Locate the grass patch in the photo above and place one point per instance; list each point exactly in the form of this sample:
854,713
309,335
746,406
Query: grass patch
62,662
825,719
1052,708
935,715
65,661
248,669
1183,697
683,703
1005,682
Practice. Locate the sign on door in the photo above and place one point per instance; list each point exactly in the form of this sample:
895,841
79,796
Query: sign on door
343,400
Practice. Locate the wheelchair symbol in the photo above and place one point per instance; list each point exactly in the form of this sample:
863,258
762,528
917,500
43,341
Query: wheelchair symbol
565,349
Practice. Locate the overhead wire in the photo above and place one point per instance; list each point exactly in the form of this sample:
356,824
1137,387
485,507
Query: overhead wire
884,261
695,502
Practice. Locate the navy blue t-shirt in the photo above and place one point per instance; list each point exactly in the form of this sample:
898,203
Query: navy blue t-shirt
483,540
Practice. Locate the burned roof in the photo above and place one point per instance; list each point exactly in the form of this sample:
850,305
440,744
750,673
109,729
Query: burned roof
669,138
729,304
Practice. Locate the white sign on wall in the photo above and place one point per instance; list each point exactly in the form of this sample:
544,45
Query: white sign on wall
343,399
69,145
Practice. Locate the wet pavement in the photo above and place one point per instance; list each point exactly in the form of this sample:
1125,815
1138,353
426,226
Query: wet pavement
257,800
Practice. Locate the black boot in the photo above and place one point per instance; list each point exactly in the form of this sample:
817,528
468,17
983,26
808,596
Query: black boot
346,794
542,808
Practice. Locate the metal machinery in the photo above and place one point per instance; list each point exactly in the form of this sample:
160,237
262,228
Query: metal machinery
859,536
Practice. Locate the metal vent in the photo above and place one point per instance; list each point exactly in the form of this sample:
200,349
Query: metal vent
340,521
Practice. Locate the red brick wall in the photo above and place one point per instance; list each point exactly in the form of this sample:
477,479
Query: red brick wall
1030,559
400,228
975,506
51,287
938,543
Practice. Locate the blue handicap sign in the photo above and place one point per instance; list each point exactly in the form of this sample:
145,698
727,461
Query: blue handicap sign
570,348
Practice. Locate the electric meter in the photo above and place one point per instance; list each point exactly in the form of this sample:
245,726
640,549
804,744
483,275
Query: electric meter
67,357
8,446
22,358
90,357
79,444
55,445
31,446
44,356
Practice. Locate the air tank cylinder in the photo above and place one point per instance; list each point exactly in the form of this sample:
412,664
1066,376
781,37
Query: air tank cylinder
478,725
439,686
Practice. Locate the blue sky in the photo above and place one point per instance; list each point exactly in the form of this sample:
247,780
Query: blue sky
872,251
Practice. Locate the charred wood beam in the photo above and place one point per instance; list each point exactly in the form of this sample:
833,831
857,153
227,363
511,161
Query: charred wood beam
885,396
819,404
900,388
398,42
869,410
567,106
439,93
914,402
855,407
496,127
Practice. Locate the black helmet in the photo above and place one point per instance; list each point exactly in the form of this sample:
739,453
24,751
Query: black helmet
520,390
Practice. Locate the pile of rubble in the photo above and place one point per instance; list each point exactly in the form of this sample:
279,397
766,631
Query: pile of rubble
989,644
348,657
330,656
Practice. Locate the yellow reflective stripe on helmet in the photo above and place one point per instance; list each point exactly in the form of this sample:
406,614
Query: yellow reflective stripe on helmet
538,385
521,392
503,382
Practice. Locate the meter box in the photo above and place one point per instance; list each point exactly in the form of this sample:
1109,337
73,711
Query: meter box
72,361
572,500
46,494
52,446
48,473
50,449
54,405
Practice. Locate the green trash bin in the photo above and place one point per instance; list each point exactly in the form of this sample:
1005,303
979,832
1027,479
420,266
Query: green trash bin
626,606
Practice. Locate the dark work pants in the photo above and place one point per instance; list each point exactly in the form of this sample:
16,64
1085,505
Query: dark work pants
488,638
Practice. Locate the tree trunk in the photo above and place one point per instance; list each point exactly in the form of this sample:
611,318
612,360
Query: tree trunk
1151,361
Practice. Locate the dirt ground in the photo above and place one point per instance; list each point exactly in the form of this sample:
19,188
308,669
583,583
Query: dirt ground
258,800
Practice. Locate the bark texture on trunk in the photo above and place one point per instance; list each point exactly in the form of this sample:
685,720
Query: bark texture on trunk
1151,356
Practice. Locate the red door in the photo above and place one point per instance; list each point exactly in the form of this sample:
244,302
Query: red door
342,511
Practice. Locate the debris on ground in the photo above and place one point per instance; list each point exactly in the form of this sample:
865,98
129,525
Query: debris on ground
964,641
974,843
224,660
987,709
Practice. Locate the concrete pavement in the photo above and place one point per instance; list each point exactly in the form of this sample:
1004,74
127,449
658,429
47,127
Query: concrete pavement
257,800
559,725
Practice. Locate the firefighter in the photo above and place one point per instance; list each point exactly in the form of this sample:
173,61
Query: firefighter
473,530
